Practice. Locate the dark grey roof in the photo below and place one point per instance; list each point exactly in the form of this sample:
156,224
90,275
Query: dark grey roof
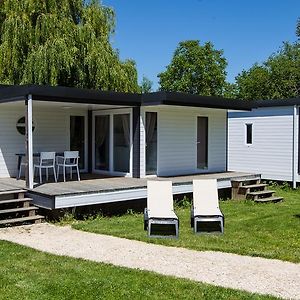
78,95
67,94
276,102
184,99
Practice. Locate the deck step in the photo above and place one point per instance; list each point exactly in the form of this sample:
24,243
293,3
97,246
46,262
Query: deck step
252,186
12,192
10,201
244,181
269,199
17,210
259,195
35,219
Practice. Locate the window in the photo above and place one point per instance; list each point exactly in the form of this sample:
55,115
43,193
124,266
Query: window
248,134
21,126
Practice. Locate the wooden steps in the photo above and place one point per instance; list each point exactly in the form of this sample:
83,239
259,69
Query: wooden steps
19,201
24,220
253,189
10,192
270,199
259,194
16,209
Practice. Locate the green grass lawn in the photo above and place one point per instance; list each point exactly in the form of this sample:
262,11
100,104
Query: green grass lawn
266,230
29,274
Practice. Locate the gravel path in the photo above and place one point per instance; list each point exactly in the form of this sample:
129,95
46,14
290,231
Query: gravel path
253,274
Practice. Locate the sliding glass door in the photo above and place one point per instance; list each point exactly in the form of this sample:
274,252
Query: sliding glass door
112,142
121,148
101,138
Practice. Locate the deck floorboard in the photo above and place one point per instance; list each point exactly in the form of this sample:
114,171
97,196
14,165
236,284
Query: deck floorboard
91,183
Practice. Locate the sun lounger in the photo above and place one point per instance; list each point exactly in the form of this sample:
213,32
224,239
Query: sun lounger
206,216
159,217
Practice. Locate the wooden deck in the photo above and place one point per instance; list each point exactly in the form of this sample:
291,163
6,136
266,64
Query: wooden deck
93,189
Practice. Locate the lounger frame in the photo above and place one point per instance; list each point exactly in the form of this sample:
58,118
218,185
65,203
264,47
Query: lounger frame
148,222
206,212
198,219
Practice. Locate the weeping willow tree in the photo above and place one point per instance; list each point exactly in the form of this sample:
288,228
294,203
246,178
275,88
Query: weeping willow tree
61,42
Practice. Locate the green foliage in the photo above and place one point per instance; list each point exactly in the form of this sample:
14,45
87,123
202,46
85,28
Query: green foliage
67,219
185,202
146,85
285,186
195,69
266,230
64,42
230,90
278,77
298,28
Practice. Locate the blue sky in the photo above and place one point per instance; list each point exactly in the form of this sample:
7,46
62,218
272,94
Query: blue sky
247,30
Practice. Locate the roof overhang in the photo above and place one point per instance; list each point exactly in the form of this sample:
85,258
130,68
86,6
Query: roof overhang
86,96
67,95
184,99
276,102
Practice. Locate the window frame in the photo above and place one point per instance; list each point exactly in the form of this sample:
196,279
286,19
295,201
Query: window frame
248,125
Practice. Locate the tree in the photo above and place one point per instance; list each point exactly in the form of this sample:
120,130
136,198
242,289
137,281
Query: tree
230,90
278,77
195,69
298,28
146,85
61,42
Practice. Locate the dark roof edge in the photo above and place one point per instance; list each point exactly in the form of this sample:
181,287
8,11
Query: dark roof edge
184,99
68,94
276,102
10,93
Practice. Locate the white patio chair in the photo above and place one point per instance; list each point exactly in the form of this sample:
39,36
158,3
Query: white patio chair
22,165
159,217
46,161
69,160
206,215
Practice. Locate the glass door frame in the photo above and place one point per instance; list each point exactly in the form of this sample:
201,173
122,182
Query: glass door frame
154,174
143,142
75,114
111,113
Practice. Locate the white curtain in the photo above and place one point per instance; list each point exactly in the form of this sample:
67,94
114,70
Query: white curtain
150,126
102,127
126,128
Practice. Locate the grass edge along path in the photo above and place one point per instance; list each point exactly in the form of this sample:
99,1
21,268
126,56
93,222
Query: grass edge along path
26,273
263,230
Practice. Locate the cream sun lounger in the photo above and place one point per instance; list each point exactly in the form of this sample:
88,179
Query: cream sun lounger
159,217
206,215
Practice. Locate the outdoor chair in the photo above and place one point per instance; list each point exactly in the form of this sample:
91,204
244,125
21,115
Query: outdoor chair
159,217
206,216
69,160
22,165
46,161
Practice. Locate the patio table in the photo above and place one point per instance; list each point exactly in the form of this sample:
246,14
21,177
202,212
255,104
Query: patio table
35,154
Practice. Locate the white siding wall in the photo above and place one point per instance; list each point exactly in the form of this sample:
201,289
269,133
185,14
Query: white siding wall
51,132
271,153
177,134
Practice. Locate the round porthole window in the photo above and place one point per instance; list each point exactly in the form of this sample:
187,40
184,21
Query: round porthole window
21,126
